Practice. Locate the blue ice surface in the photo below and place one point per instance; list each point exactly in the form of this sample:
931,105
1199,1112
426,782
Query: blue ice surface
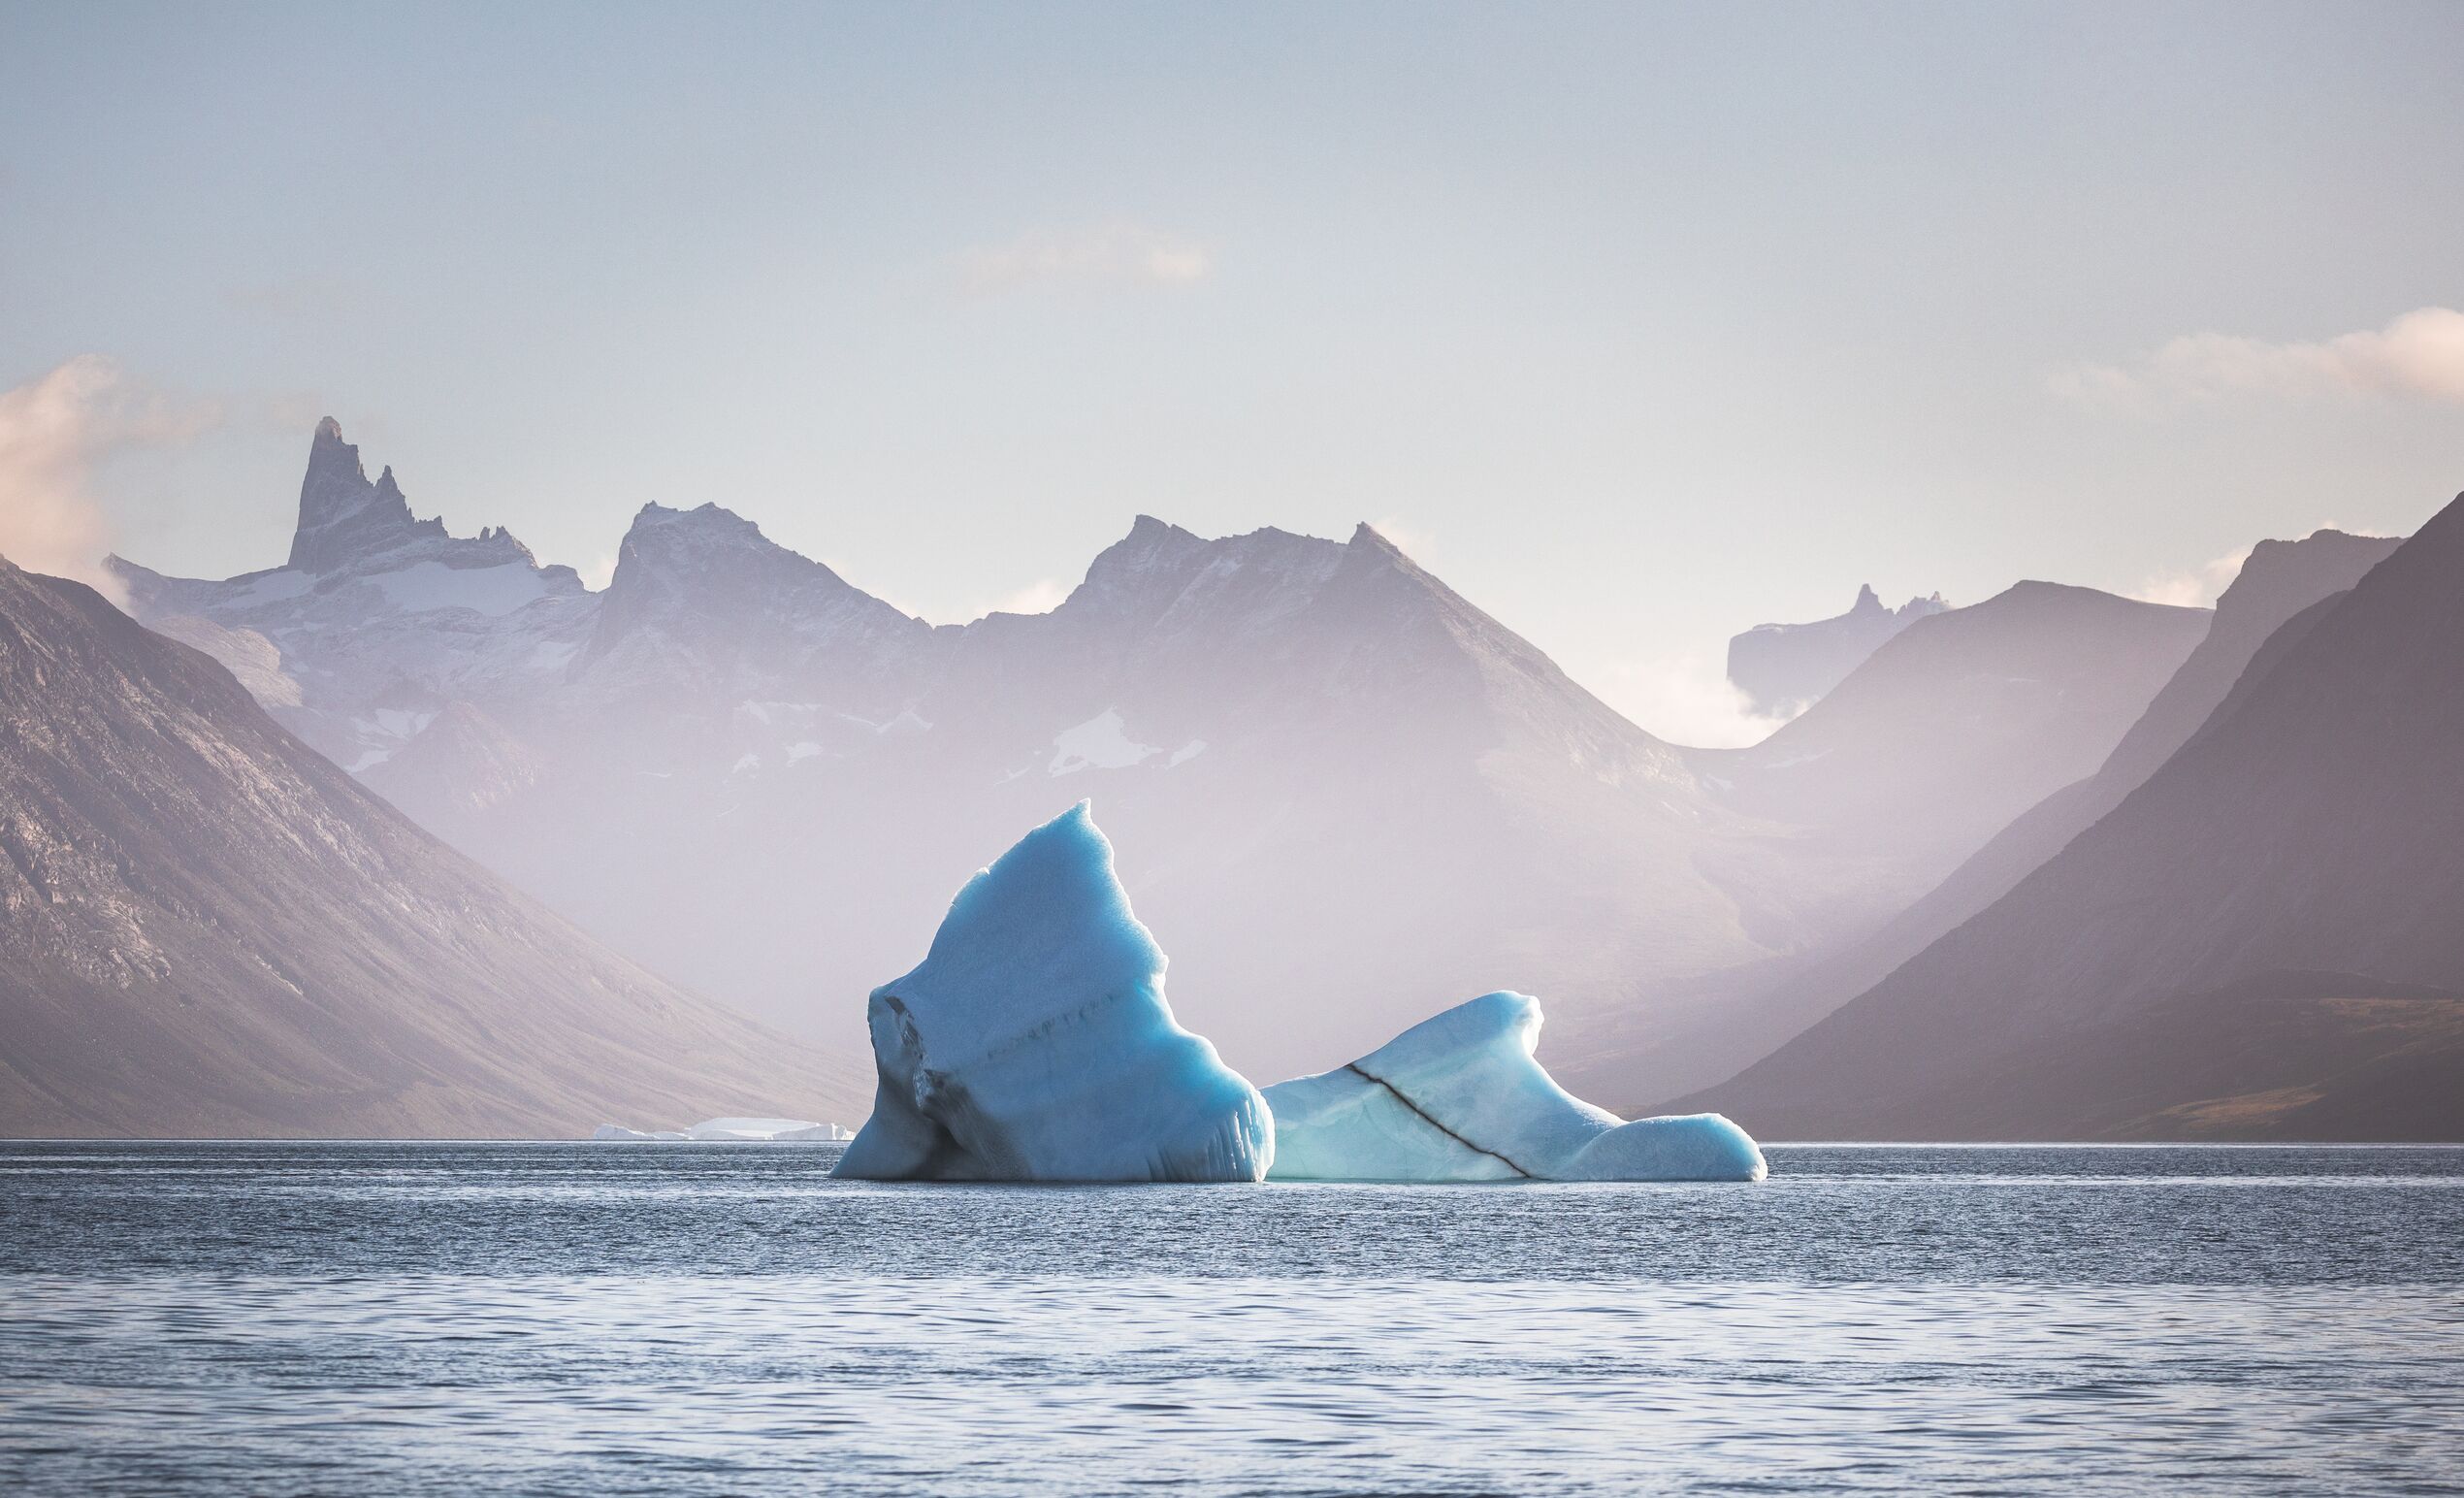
1461,1097
1034,1042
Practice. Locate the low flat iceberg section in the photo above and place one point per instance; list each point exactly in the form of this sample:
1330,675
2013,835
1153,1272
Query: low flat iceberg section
1034,1042
764,1130
1461,1097
727,1132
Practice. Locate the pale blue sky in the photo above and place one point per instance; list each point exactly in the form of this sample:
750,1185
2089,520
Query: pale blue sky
1640,324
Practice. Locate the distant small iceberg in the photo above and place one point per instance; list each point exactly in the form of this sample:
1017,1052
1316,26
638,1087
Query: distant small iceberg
727,1131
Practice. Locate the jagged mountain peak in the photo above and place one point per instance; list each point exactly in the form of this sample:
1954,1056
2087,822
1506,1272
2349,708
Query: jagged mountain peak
340,513
709,511
702,596
665,542
347,523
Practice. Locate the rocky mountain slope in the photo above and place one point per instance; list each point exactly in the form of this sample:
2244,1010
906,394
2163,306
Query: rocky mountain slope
207,929
2306,846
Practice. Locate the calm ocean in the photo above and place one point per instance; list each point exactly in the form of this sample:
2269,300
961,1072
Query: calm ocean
382,1318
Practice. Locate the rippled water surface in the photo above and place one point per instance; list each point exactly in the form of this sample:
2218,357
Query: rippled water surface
367,1318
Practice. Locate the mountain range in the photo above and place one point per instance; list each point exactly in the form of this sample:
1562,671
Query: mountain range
1341,792
2057,863
2255,926
2277,581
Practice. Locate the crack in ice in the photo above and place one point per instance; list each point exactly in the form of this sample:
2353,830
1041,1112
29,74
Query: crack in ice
1423,1115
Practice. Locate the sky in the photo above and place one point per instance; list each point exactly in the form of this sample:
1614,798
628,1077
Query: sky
1638,324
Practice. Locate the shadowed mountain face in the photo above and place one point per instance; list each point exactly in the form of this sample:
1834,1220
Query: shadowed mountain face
1784,667
2310,827
212,930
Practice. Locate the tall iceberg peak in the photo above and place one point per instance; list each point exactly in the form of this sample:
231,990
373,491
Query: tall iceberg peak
1461,1097
1034,1042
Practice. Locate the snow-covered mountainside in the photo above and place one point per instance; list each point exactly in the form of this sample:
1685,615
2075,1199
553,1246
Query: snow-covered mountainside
751,774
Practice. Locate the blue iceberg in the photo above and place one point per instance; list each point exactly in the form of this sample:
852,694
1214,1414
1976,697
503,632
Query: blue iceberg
1034,1043
1461,1097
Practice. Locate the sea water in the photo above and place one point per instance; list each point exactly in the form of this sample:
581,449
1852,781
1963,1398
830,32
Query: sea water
397,1319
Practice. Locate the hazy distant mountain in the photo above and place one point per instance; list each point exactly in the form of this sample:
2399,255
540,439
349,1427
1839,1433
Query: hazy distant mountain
1962,722
1782,667
2278,581
1282,734
207,929
2284,897
1903,771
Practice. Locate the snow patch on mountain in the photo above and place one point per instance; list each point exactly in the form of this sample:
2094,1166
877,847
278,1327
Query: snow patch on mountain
424,586
1101,742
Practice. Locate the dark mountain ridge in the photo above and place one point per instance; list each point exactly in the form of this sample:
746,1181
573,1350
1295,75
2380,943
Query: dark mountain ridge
2307,838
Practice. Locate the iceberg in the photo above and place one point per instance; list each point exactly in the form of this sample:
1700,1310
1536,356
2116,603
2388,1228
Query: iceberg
1034,1042
727,1131
1461,1097
762,1130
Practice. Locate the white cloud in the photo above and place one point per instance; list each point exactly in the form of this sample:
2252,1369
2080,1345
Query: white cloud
52,432
1119,253
1685,698
2195,587
2419,354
